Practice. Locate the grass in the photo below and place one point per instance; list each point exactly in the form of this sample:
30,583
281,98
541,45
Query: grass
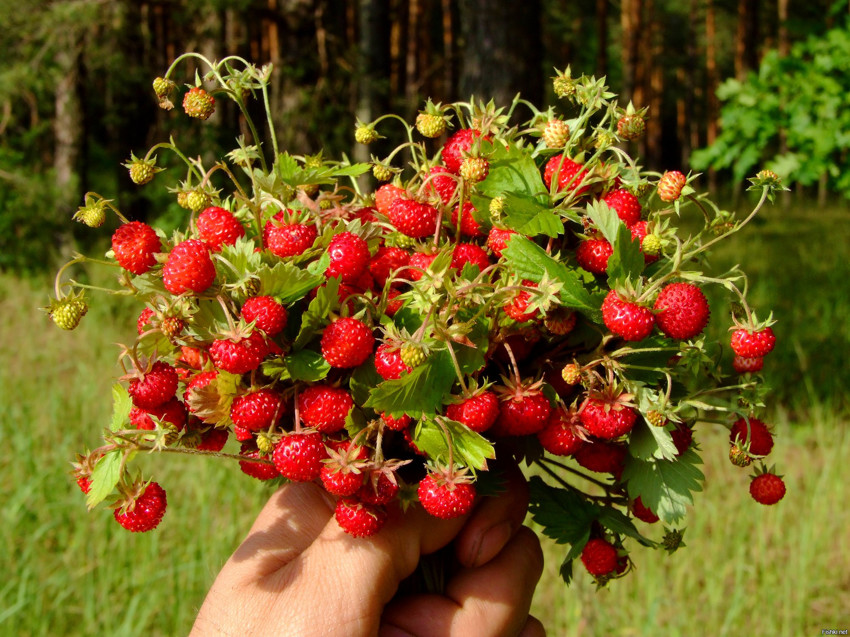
785,567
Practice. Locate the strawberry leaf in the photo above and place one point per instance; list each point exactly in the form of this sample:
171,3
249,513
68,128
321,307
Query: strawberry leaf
287,282
605,219
563,514
307,365
665,486
647,442
417,393
318,312
529,261
121,406
104,477
626,262
530,217
363,380
621,524
469,449
512,171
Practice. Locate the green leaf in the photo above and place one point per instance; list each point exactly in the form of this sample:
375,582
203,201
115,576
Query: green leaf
363,380
530,217
512,171
564,515
354,170
626,262
417,393
316,316
307,365
104,477
121,406
664,486
242,256
646,442
620,523
530,261
469,449
605,219
287,282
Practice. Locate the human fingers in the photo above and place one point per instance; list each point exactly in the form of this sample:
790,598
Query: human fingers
492,599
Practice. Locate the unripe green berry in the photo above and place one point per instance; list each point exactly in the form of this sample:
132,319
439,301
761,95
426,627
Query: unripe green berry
412,355
430,124
651,244
197,200
571,373
93,214
68,312
365,134
474,169
556,133
382,172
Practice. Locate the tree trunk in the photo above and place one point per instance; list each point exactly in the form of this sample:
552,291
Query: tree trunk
601,38
712,106
746,38
68,131
493,63
631,23
372,65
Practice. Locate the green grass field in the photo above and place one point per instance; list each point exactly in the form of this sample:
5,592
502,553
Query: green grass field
781,570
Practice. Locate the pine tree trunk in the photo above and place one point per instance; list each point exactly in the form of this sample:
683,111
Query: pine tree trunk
68,130
712,106
601,38
746,38
372,65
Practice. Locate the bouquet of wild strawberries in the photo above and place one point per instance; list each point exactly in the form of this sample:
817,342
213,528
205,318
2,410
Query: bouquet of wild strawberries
516,291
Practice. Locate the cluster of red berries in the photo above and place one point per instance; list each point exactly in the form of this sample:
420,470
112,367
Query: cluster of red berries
500,295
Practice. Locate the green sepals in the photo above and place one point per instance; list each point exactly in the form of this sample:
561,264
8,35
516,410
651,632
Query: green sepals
104,477
665,486
529,261
363,380
238,262
469,449
318,312
287,168
121,406
626,262
673,539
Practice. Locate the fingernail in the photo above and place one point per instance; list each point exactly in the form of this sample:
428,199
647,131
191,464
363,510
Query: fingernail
492,542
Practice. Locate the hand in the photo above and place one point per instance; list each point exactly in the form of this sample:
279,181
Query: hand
298,573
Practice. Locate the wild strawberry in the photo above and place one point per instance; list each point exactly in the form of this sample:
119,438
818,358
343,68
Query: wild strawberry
298,456
444,496
599,557
683,436
767,488
642,512
265,313
601,456
163,87
628,320
386,195
497,239
593,255
744,365
341,478
347,342
256,410
468,225
141,171
430,124
556,133
366,134
523,410
478,412
681,311
631,126
324,407
442,182
560,321
474,169
389,264
470,253
412,355
188,268
240,355
349,257
755,432
196,383
218,227
68,312
570,174
670,185
134,245
457,146
753,344
413,218
144,510
607,418
397,424
650,244
171,412
626,205
193,357
561,435
287,239
379,488
388,362
153,387
212,439
420,261
259,470
198,103
359,519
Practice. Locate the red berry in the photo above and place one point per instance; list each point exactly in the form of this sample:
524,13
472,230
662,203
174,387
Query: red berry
593,255
457,146
477,412
340,480
626,205
386,195
642,512
134,245
324,407
523,412
602,457
349,255
681,311
347,342
379,490
560,436
607,419
388,362
143,321
287,239
389,263
754,430
359,519
298,456
145,512
470,253
213,439
747,365
443,498
259,470
517,307
468,225
767,488
753,344
443,182
188,268
420,261
172,411
497,239
682,435
240,356
266,314
570,174
218,227
153,387
628,320
599,557
670,185
413,218
397,424
257,410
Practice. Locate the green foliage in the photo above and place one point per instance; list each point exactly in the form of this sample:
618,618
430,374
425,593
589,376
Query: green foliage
801,96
